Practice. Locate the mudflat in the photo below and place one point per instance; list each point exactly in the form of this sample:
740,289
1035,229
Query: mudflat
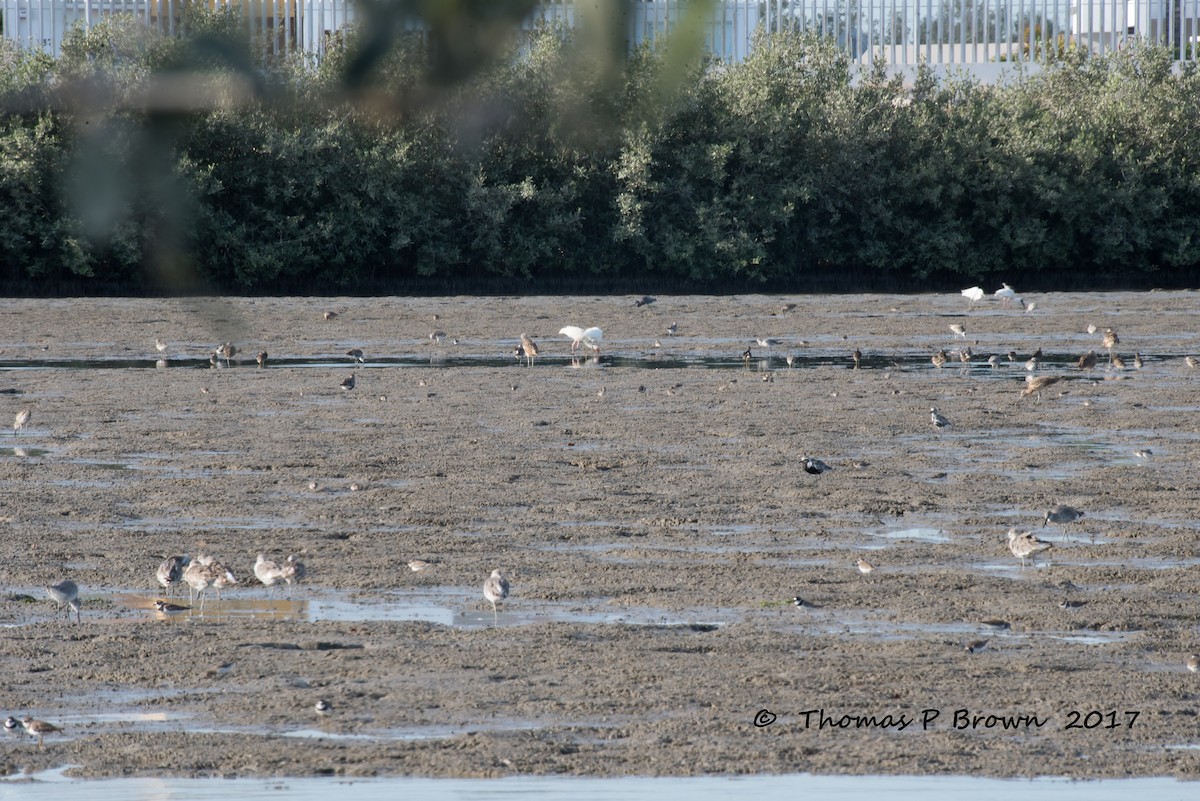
650,508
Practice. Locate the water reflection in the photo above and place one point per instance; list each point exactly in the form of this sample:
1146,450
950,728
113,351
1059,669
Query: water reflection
51,785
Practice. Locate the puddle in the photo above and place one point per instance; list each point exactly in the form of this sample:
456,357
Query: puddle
919,533
23,452
50,785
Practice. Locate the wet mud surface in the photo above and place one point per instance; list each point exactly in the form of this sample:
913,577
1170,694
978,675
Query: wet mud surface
654,518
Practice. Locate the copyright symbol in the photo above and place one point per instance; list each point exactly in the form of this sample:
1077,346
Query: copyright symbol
764,718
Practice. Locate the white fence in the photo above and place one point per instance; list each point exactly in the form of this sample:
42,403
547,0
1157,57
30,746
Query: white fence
902,32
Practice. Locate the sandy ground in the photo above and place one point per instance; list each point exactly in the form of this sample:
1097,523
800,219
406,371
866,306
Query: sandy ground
654,535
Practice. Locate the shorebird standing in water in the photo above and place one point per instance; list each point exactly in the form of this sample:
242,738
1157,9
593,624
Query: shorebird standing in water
65,593
294,572
1137,361
227,352
39,729
1062,514
1111,340
21,419
857,357
356,354
1035,384
261,358
1087,361
170,572
939,359
268,572
204,572
528,348
495,589
1025,545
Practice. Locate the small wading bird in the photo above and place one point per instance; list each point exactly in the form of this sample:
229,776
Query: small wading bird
159,345
437,336
419,565
268,572
21,419
356,354
323,707
864,566
937,419
348,383
65,593
261,358
495,589
227,352
527,348
672,328
958,330
1111,340
204,572
1087,361
815,466
856,356
39,729
1062,514
975,646
1025,545
1035,384
330,315
170,571
294,572
939,359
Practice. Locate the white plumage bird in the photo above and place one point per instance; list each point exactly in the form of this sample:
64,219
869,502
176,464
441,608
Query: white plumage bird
974,294
1005,294
589,337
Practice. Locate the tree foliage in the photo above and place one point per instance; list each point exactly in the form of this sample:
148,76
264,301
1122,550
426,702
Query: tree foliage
539,167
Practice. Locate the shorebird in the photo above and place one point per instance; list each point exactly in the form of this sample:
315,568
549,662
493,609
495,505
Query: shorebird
1190,361
1087,361
204,572
1005,294
167,609
159,345
1137,361
864,566
814,466
65,593
1032,364
528,348
1062,514
1035,384
765,342
1116,361
1091,329
856,356
937,419
268,572
589,337
1193,664
227,352
322,707
39,729
994,360
294,571
329,315
11,725
645,300
261,358
974,294
672,328
1025,545
965,355
495,589
1029,307
437,336
747,355
975,646
21,419
419,565
356,354
170,572
958,330
348,383
939,359
1111,340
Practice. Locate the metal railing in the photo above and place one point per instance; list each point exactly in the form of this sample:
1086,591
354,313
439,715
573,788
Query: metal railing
901,32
